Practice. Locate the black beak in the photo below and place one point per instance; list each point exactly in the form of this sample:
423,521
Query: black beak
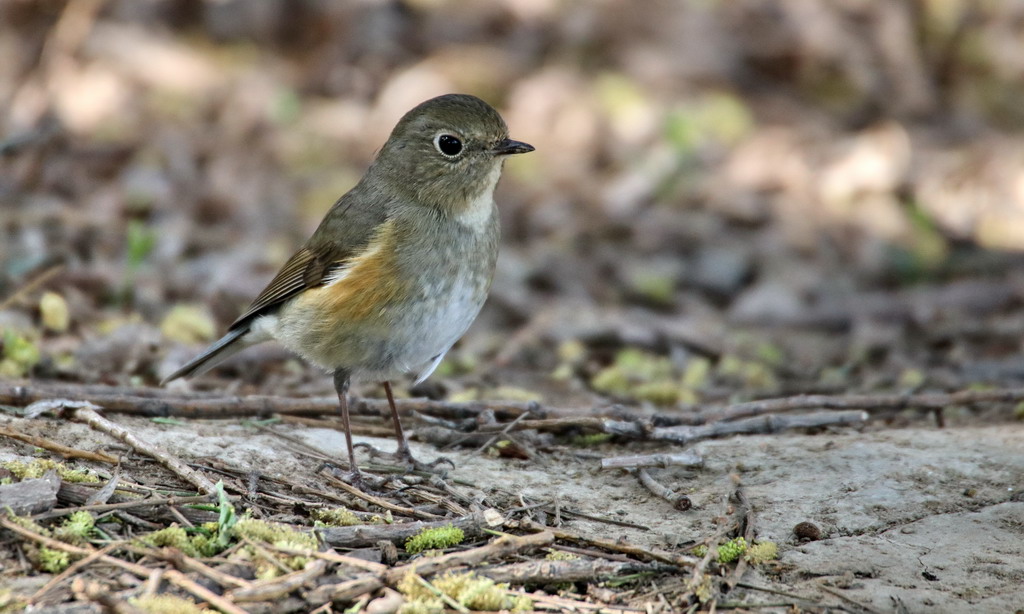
509,147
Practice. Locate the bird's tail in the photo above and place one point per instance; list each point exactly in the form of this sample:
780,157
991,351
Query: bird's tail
225,347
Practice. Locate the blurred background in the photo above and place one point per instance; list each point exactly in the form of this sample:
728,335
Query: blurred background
728,199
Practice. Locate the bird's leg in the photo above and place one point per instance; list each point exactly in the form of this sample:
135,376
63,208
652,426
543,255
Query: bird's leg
404,454
342,380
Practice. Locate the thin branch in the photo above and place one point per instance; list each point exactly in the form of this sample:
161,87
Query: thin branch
681,459
679,501
500,548
87,412
654,554
53,446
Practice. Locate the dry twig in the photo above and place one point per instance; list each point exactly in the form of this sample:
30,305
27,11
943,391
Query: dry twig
84,411
681,459
363,536
53,446
671,558
499,548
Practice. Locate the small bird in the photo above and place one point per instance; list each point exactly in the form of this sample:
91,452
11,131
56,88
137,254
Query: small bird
399,267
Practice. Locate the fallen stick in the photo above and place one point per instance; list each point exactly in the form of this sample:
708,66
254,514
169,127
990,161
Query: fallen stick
382,503
679,501
770,423
365,535
53,446
31,495
554,572
78,494
103,596
172,575
271,590
84,411
156,402
681,459
499,548
671,558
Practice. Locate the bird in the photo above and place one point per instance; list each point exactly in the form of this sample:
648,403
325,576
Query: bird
398,268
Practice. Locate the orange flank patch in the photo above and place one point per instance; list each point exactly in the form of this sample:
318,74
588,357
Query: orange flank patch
365,287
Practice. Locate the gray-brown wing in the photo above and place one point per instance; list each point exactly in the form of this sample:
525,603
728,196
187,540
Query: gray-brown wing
344,232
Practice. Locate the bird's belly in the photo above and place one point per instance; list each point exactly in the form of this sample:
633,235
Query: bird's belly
399,337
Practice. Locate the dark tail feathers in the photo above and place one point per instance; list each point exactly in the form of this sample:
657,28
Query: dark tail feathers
224,348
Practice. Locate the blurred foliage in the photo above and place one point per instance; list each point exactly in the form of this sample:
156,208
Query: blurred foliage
700,166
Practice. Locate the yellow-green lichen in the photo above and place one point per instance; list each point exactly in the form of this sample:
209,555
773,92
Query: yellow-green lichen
644,376
53,310
761,552
436,538
277,535
167,604
39,467
748,372
590,439
334,517
19,354
561,555
466,589
173,537
11,603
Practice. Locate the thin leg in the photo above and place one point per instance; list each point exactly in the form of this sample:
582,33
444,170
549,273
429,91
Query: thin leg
404,453
403,445
341,383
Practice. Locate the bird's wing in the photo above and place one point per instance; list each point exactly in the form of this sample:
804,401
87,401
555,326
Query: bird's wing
343,234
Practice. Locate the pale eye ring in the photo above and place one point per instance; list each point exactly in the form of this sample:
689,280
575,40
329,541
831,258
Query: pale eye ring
449,145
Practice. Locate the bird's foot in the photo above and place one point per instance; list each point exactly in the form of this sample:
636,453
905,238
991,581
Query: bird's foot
403,457
356,478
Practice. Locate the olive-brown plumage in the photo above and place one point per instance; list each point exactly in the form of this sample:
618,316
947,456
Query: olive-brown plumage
401,264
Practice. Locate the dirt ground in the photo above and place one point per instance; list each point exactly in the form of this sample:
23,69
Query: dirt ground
915,519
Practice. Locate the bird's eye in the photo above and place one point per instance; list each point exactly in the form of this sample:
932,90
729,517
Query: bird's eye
448,145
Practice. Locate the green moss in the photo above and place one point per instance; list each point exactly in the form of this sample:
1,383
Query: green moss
748,372
20,354
593,439
173,537
52,561
334,517
561,555
727,552
639,374
659,289
440,537
76,528
167,604
41,466
731,550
